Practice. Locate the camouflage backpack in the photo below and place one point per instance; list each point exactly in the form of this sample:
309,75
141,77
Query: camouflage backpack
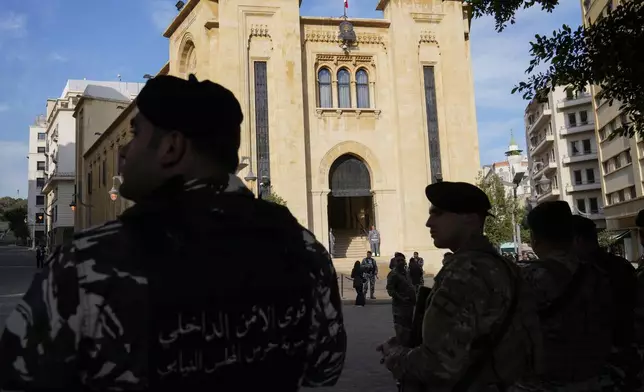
517,337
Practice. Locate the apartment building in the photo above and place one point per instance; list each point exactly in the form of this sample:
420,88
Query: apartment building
60,152
562,154
98,108
621,158
36,162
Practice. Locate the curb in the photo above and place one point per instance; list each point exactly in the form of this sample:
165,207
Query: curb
386,301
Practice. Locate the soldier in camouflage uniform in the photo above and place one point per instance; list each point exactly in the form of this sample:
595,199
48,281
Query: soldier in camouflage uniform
480,329
639,304
624,364
151,301
576,307
403,295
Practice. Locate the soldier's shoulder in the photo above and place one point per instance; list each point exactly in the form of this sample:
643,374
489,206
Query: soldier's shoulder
476,260
94,238
478,266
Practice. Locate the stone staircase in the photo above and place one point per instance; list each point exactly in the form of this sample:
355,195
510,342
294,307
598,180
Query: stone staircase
350,244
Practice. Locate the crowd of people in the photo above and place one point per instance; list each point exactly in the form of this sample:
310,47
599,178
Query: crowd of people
155,300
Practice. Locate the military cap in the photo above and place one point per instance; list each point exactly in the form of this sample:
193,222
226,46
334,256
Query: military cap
551,219
639,221
203,110
458,197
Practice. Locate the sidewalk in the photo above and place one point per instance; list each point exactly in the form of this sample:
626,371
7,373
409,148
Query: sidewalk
382,298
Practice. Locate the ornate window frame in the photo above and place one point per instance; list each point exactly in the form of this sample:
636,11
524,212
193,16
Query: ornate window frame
352,63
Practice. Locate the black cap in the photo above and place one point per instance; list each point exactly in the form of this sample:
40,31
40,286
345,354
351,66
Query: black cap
203,110
639,221
458,197
551,219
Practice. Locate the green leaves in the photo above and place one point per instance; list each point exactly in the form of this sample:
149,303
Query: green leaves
606,55
499,229
275,198
504,11
14,211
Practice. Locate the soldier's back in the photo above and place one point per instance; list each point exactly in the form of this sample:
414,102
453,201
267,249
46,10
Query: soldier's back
222,295
576,313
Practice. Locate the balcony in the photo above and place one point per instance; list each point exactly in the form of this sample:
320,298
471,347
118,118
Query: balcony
541,144
577,128
56,176
551,193
580,156
578,99
543,114
583,186
539,168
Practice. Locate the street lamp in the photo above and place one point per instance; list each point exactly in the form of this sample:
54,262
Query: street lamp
114,192
516,229
76,199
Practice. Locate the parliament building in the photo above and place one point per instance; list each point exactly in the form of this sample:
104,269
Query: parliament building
347,119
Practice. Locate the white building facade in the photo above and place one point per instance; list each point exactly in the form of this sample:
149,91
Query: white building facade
60,152
563,152
36,162
507,170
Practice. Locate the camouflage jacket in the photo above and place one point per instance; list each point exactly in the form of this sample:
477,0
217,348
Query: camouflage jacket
400,289
575,301
471,297
160,296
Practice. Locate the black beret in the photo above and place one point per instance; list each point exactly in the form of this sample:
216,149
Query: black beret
203,110
552,216
458,197
639,221
583,226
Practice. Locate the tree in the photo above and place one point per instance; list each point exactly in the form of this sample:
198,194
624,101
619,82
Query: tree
498,229
15,213
605,54
274,197
605,238
7,203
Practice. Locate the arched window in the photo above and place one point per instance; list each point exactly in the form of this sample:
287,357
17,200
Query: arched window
362,88
325,95
344,88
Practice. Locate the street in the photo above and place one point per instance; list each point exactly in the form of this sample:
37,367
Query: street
366,326
17,268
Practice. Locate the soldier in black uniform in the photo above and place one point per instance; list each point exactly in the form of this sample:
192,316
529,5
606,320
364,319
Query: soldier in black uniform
152,300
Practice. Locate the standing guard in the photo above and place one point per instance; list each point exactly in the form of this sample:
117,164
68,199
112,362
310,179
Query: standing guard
480,328
152,301
370,268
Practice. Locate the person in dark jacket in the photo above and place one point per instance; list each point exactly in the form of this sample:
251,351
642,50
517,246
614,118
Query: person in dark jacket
40,256
624,366
415,273
151,301
358,278
403,299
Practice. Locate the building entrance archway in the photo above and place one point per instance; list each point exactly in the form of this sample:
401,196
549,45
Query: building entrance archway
350,205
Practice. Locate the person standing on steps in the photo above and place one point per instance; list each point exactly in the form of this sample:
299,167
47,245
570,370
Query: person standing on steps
331,243
370,270
374,241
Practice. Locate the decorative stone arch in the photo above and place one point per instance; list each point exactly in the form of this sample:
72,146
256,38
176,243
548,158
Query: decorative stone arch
352,148
187,55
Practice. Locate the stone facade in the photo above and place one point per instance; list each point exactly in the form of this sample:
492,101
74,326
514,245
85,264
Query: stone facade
381,111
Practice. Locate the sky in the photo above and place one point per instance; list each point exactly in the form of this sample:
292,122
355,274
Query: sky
45,43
